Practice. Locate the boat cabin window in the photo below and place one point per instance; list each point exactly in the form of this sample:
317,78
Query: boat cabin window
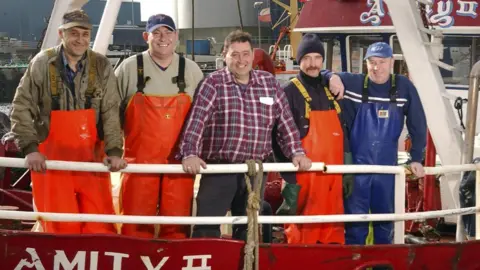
400,66
462,52
333,56
357,46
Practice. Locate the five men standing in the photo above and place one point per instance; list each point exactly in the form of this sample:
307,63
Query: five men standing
70,106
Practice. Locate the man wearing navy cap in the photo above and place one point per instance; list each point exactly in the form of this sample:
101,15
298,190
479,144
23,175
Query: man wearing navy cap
156,88
375,108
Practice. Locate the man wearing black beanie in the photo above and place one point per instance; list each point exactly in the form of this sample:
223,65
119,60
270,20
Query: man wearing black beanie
318,117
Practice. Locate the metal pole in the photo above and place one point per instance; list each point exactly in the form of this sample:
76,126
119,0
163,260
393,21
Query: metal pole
399,207
259,34
472,106
258,5
469,143
133,15
193,30
107,24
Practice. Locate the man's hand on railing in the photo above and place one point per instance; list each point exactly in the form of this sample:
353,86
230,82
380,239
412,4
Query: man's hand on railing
417,169
36,162
192,164
302,162
115,164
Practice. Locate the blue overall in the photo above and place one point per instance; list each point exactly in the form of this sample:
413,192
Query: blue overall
374,140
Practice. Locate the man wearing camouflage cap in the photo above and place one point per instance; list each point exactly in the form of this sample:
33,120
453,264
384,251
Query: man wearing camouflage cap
66,107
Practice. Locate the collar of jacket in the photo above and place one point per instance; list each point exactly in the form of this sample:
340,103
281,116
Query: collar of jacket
59,63
80,64
311,81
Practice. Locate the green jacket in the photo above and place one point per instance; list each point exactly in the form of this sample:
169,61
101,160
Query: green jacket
32,103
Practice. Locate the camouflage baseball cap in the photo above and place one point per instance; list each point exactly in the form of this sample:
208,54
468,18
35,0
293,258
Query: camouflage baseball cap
76,18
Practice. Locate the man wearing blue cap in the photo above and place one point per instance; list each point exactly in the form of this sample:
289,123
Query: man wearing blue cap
375,108
156,88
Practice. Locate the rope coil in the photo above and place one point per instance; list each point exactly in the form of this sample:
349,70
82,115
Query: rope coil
253,207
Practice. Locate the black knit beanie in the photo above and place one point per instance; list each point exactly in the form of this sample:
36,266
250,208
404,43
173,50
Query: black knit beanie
310,43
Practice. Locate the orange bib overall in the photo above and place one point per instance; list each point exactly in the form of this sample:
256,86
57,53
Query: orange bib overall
152,127
73,137
320,193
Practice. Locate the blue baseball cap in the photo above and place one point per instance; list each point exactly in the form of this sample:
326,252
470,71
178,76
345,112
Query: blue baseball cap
379,49
159,20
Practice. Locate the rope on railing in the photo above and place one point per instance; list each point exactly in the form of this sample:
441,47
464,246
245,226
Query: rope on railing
253,207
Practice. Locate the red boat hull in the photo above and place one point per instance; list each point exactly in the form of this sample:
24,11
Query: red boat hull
26,250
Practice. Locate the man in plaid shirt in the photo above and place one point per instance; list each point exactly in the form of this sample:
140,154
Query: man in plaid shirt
231,121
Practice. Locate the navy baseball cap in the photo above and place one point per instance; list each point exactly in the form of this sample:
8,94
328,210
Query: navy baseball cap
159,20
379,49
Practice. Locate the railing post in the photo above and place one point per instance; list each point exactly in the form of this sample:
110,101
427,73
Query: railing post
399,226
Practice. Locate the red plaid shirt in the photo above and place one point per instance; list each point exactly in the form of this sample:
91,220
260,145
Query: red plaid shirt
232,123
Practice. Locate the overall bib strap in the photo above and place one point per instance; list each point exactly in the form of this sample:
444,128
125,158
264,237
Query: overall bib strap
92,61
365,90
180,79
392,93
92,70
332,100
393,90
305,95
52,70
141,79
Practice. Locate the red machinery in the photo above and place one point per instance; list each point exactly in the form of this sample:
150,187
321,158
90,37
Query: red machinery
262,61
423,194
279,64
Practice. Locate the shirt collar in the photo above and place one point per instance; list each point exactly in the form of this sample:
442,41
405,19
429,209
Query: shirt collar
65,61
253,80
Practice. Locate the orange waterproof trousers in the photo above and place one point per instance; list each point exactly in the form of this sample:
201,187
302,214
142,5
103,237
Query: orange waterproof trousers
73,137
152,127
320,194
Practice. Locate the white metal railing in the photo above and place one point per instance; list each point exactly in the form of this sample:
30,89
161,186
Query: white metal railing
398,217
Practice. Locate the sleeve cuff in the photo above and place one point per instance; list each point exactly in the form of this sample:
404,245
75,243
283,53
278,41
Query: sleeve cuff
298,153
415,159
115,152
188,156
31,148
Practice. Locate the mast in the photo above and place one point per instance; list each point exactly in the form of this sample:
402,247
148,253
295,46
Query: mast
293,13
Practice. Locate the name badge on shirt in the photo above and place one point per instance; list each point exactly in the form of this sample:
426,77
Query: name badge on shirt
266,100
382,113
